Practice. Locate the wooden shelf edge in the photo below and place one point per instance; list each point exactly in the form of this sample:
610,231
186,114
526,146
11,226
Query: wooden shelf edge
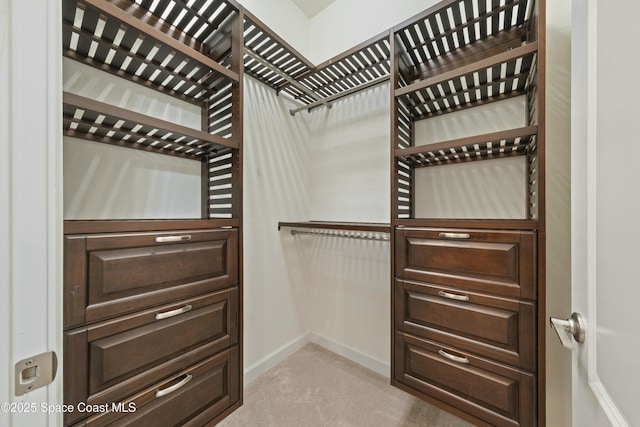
472,140
121,226
331,225
509,55
128,19
507,224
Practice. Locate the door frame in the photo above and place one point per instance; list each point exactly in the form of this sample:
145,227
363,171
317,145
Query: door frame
31,216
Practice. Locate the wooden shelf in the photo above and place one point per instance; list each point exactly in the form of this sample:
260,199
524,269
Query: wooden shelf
350,226
161,48
367,62
96,121
275,63
434,38
275,54
125,226
481,147
506,224
498,77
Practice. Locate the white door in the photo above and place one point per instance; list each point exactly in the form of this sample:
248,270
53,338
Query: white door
30,203
606,210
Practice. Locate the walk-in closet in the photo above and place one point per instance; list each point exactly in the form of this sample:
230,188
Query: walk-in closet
250,182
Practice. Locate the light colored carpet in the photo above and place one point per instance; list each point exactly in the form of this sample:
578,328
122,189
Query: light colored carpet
315,387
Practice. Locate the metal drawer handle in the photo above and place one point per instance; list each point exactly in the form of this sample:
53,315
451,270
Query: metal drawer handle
455,235
173,313
169,390
452,357
453,296
168,239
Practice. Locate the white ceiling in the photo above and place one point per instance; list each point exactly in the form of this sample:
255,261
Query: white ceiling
312,7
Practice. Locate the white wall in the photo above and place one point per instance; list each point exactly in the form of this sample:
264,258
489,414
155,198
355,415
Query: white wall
276,184
343,290
347,23
109,182
558,174
495,189
349,148
285,19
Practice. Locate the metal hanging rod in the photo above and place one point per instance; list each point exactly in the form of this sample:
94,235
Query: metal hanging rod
251,54
347,92
364,235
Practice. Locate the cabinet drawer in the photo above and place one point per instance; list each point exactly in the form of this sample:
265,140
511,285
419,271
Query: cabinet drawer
494,393
113,274
190,398
499,262
500,328
110,360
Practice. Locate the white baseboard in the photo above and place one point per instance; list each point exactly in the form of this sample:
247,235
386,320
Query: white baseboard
272,359
379,366
251,373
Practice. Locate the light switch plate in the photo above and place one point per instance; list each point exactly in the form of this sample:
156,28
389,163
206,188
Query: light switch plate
35,372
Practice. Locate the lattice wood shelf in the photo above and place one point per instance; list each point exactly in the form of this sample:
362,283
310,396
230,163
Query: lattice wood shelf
273,61
498,77
165,45
455,31
490,146
363,64
93,120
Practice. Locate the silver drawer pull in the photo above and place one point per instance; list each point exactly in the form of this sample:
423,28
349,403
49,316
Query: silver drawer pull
172,313
452,357
169,390
455,235
169,239
444,294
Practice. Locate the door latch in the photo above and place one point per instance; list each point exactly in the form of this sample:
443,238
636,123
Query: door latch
574,327
35,372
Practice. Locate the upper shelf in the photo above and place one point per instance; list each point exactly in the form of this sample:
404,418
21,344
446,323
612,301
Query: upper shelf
462,53
96,121
274,62
442,36
490,146
172,46
490,79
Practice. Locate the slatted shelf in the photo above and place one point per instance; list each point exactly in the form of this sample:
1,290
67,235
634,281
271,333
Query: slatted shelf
489,146
277,63
432,38
360,65
161,44
96,121
498,77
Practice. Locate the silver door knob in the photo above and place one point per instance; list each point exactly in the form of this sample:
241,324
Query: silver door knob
574,327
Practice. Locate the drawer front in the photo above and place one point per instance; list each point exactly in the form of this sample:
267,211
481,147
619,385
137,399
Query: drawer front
130,353
499,262
193,396
110,275
494,393
499,328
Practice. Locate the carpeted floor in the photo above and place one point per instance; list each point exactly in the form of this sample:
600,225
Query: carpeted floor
315,387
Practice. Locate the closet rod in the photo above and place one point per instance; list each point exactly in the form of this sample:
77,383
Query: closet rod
347,92
251,54
384,237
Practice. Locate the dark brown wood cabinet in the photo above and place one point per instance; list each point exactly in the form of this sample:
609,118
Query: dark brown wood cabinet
468,292
465,319
152,311
144,307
